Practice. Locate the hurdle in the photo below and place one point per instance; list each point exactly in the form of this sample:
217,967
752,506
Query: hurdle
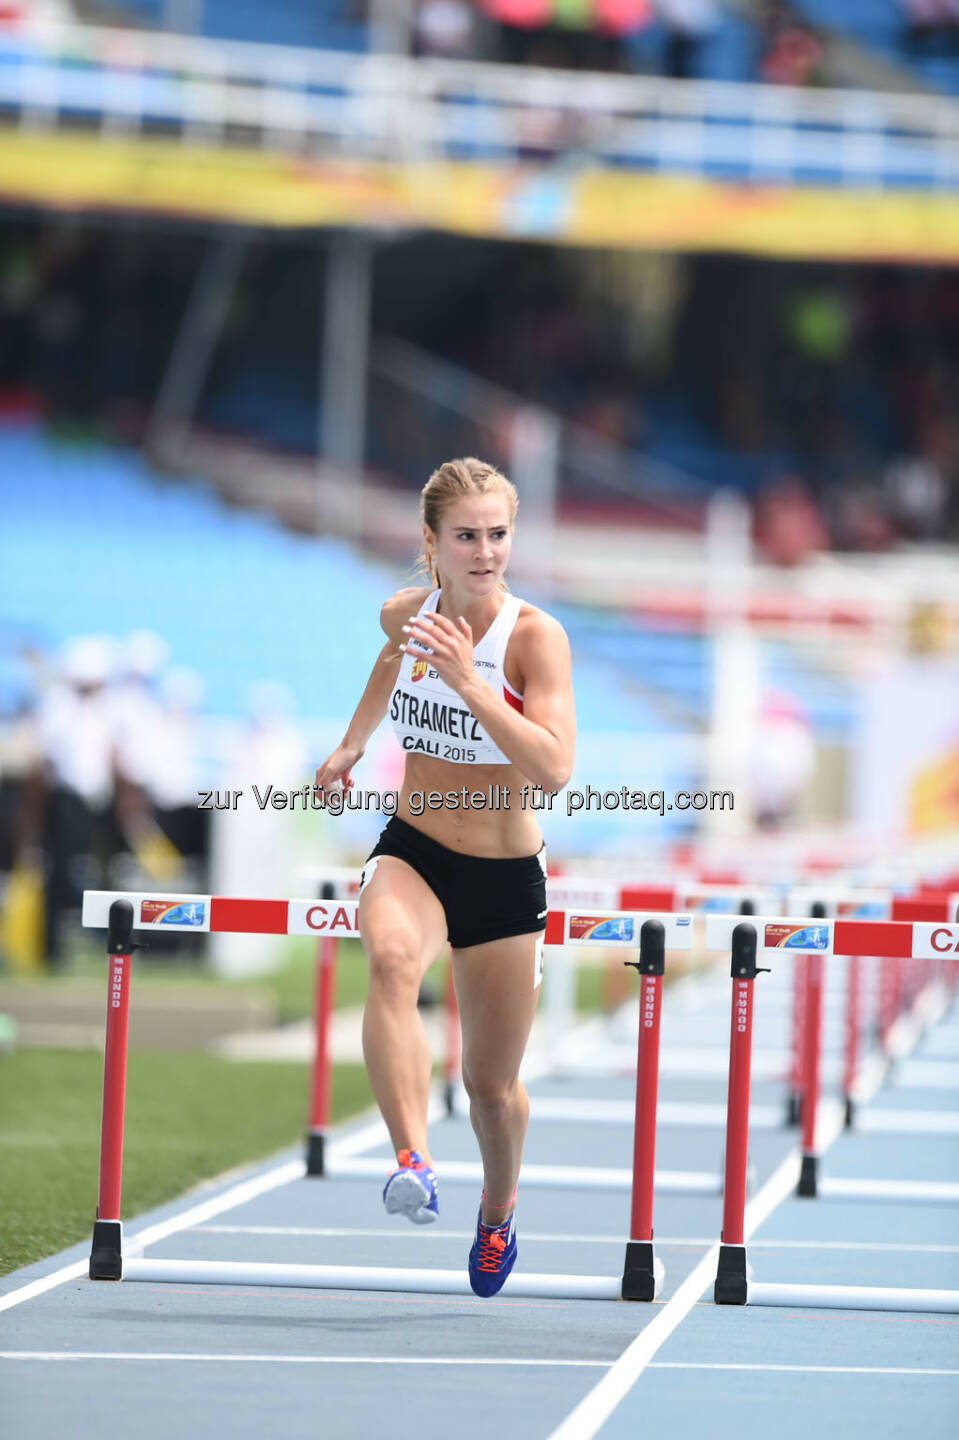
817,938
734,1284
646,936
894,992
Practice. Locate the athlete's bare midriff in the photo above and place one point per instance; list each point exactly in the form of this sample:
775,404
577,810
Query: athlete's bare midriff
498,833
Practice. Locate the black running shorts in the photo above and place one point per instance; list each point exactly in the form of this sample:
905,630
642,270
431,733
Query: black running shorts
482,899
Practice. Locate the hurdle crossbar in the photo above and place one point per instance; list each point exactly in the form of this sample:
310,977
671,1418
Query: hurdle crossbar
365,1277
811,935
225,914
852,1297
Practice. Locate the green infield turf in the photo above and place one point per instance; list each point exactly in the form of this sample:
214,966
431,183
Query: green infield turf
189,1116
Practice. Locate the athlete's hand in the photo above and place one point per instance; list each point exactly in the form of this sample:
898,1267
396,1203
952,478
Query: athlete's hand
335,771
451,647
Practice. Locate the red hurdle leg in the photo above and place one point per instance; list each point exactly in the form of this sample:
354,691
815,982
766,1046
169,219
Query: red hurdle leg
106,1255
639,1272
730,1287
889,972
810,1099
851,1057
794,1098
452,1061
322,1075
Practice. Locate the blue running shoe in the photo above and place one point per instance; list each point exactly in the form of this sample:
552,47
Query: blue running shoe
493,1255
411,1189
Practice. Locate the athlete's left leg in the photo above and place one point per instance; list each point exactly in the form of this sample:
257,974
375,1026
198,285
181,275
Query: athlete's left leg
496,994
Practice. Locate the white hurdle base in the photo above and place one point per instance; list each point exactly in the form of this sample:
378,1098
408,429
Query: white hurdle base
680,1113
351,1277
906,1122
547,1177
916,1074
852,1297
690,1062
935,1192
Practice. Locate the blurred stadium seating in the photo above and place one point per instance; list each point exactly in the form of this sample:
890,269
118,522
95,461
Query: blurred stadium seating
94,542
922,35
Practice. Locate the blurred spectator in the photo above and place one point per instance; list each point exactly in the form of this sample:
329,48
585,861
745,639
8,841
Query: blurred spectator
858,515
917,496
445,29
788,525
19,284
77,744
134,704
790,53
689,23
98,785
20,794
932,27
783,759
175,777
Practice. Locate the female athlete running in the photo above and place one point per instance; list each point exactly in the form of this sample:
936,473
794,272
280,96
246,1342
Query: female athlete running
478,686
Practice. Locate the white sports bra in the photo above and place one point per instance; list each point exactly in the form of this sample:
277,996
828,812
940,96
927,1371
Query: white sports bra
431,719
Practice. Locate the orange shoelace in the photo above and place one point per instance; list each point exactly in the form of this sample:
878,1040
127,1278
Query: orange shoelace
492,1245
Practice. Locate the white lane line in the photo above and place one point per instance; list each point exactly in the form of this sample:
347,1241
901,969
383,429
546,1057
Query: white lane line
180,1357
48,1282
594,1409
797,1369
662,1242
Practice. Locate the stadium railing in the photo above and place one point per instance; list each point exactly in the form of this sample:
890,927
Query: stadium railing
388,107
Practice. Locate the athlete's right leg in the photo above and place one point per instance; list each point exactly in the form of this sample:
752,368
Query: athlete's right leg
403,930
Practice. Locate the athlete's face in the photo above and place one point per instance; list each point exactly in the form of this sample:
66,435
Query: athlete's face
472,548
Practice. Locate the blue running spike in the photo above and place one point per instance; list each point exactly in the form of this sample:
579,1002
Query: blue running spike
411,1189
492,1256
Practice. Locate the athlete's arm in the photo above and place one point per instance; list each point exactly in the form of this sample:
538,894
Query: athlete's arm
539,742
373,702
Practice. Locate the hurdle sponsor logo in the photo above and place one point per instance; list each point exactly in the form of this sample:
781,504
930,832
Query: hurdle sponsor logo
602,929
649,1002
315,917
811,938
741,1005
116,982
187,914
